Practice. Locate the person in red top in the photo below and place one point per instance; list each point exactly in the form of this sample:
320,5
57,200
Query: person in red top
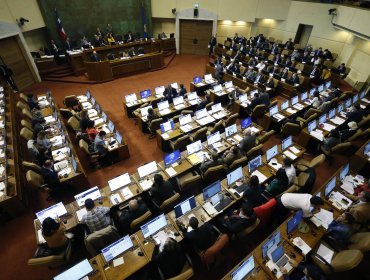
91,130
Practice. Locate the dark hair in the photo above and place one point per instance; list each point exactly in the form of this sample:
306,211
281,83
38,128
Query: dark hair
208,97
235,150
49,226
287,161
316,200
181,85
158,179
90,124
102,133
334,133
314,272
89,204
171,245
254,182
193,222
214,156
150,111
281,176
247,209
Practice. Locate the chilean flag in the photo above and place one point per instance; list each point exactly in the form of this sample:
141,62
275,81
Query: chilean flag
60,28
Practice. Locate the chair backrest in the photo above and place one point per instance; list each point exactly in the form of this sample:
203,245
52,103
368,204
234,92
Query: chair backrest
53,261
306,121
185,112
209,105
219,126
264,137
98,240
27,124
186,273
364,123
264,212
249,229
169,201
26,133
191,183
33,166
259,111
70,101
231,120
209,256
291,129
181,143
23,97
135,223
255,151
74,123
316,161
200,134
66,113
155,124
214,173
27,113
342,147
239,162
35,180
21,105
312,111
365,134
84,146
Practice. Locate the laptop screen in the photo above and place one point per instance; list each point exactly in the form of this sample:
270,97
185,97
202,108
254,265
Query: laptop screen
231,130
194,147
197,79
277,254
340,108
74,163
328,84
159,90
234,176
254,164
348,103
244,269
172,158
201,113
170,125
178,100
322,119
98,108
76,272
311,126
145,93
304,95
130,98
293,223
344,172
147,169
285,105
367,149
274,110
111,125
163,105
211,190
229,84
208,77
243,98
216,108
54,211
273,240
332,113
272,152
118,137
117,248
119,182
104,116
153,226
185,119
213,138
330,186
185,206
144,111
217,88
320,88
286,143
312,91
246,123
92,100
192,95
88,94
93,193
294,100
355,98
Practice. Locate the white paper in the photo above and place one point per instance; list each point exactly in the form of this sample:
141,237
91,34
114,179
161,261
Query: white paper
348,187
146,184
127,193
165,135
115,199
80,213
171,172
289,154
261,178
238,138
325,216
325,253
291,111
208,207
294,149
2,186
118,261
302,245
40,236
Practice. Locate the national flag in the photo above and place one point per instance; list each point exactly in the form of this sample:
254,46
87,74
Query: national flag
143,20
61,32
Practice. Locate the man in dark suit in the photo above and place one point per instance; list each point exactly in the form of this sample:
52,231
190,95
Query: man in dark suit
95,57
204,102
265,98
212,44
51,178
161,189
275,48
240,219
318,52
132,52
135,210
208,163
182,90
294,78
289,44
341,69
129,37
277,59
200,237
248,142
355,115
306,57
169,93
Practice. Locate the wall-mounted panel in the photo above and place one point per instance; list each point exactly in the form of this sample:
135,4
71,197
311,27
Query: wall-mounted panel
273,9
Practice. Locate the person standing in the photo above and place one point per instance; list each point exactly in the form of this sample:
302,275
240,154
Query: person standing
212,44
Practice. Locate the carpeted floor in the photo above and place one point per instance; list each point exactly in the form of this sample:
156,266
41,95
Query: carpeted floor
17,236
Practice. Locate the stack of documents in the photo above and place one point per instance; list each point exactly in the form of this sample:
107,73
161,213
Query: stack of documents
328,127
261,178
317,134
322,218
289,154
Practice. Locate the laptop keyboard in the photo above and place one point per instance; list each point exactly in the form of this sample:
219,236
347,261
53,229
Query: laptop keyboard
223,203
284,259
241,188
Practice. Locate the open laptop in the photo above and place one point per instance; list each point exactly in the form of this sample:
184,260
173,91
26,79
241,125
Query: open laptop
252,169
93,193
117,248
185,207
119,182
76,272
167,126
185,121
213,196
279,257
270,157
234,181
214,141
244,270
55,211
172,158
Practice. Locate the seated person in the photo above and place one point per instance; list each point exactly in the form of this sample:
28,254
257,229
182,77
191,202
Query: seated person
54,235
361,209
151,116
97,217
270,83
341,69
279,184
171,259
95,57
91,130
231,155
349,132
132,52
288,62
355,115
32,103
340,230
105,158
303,272
51,178
43,143
289,169
294,78
250,74
255,102
110,38
331,141
204,102
208,163
252,193
284,74
248,141
161,190
200,237
84,119
316,100
260,78
136,208
300,201
182,90
240,219
265,98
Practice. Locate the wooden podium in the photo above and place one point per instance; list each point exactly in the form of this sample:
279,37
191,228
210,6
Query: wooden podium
99,71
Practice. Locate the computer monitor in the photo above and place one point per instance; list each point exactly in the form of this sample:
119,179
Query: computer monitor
93,193
98,108
294,100
243,270
119,182
145,93
211,190
110,126
362,94
213,138
201,113
130,98
274,240
208,77
344,172
328,84
229,84
355,98
144,111
147,169
216,108
185,119
74,163
163,105
320,88
293,222
159,90
274,110
154,226
348,102
167,126
243,97
178,100
312,92
118,137
331,113
117,248
185,206
330,186
311,126
322,119
304,95
76,272
194,147
285,105
340,108
217,88
104,116
272,152
367,149
92,100
172,157
234,176
175,85
286,143
54,211
192,95
231,130
197,80
246,123
254,164
88,94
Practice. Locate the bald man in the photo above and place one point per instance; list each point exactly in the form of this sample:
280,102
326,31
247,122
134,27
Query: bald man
248,142
136,208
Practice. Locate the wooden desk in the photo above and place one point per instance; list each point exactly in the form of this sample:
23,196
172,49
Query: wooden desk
137,179
99,71
200,88
257,274
359,163
219,97
181,167
133,187
198,212
97,274
132,263
130,108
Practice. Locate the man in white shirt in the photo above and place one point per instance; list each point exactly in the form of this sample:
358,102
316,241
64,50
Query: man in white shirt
300,201
289,169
